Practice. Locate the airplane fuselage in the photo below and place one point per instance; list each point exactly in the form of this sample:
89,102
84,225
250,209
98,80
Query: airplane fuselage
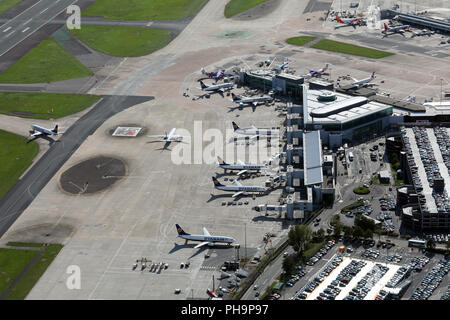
242,167
241,188
218,86
43,130
258,132
213,239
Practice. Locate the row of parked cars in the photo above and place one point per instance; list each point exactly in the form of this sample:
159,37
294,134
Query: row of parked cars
446,295
302,294
396,258
438,237
321,253
431,281
399,276
444,144
387,204
367,282
370,254
418,263
300,273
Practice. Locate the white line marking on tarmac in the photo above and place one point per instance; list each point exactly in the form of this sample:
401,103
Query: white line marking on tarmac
28,21
43,11
6,29
26,29
10,33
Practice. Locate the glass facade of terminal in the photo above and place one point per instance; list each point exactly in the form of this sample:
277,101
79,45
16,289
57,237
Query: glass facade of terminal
353,123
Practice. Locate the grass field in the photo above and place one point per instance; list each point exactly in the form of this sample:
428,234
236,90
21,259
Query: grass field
347,48
134,41
27,282
6,4
40,105
300,41
237,6
143,9
15,157
48,62
11,263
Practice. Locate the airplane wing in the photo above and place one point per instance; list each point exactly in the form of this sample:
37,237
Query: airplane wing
241,172
201,244
156,136
253,127
36,134
254,137
241,162
355,80
205,232
238,194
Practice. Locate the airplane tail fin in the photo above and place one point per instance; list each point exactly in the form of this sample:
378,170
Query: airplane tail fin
202,70
338,19
373,75
219,159
326,67
56,129
385,27
216,182
235,126
235,98
202,85
181,231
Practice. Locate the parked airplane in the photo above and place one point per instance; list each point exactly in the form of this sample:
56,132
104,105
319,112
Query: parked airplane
319,72
241,190
281,66
216,75
255,132
399,29
241,166
216,87
350,21
254,101
363,82
167,138
41,131
206,238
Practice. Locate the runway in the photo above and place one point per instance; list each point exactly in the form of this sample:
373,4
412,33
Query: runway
29,21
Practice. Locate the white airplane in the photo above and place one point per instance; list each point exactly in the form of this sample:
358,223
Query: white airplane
241,190
206,238
41,131
318,72
241,166
399,29
254,101
167,138
363,82
255,132
281,66
216,87
350,21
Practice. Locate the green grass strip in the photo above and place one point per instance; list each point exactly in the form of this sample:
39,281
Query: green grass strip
48,62
347,48
42,105
235,7
7,4
300,41
27,282
12,262
143,9
134,41
16,156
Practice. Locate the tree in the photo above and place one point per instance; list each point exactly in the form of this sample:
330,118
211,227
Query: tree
299,236
364,223
358,232
368,234
318,236
337,230
348,231
447,245
430,244
288,265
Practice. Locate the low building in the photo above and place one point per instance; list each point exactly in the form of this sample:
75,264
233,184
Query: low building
384,177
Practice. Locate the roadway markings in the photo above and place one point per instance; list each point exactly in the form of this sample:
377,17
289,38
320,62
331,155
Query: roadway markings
10,33
28,21
26,29
44,10
6,29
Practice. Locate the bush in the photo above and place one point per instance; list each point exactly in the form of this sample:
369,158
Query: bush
361,190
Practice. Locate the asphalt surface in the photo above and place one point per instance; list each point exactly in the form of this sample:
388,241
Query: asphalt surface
17,200
29,21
